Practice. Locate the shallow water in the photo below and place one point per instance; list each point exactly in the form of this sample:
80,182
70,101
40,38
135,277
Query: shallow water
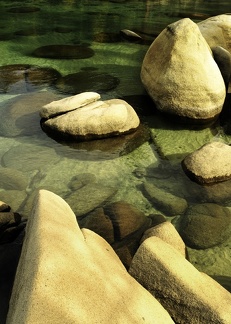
40,162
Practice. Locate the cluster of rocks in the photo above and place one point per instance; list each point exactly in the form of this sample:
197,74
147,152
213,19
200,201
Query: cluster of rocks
69,278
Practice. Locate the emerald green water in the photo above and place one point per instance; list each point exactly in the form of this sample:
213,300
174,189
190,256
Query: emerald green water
41,162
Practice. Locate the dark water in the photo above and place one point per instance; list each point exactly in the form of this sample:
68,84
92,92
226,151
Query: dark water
95,28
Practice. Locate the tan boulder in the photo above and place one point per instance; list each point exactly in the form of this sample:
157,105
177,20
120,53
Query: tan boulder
180,74
209,164
166,232
94,120
61,106
217,31
187,294
68,275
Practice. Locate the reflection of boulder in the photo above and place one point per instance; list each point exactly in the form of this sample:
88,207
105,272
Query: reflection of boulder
92,120
64,51
87,81
19,78
177,71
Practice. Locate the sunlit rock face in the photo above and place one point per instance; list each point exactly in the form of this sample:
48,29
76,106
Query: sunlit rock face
217,31
180,74
209,164
90,119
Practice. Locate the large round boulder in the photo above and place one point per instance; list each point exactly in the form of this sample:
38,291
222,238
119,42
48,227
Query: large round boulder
181,75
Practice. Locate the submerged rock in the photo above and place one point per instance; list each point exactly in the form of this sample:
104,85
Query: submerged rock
87,81
165,201
89,197
205,225
64,52
20,78
20,115
177,77
209,164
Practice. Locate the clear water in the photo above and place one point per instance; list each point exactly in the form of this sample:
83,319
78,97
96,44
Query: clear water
38,161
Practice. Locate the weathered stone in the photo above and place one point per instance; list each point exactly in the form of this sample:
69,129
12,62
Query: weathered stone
95,120
188,295
176,76
69,278
165,201
217,31
64,105
166,232
205,225
209,164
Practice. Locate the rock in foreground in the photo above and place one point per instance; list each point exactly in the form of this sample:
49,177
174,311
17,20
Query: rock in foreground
67,275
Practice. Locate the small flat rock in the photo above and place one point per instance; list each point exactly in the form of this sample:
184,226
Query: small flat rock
58,107
209,164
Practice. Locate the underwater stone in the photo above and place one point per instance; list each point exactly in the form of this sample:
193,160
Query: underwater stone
205,225
165,201
64,52
89,197
87,81
20,115
20,78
